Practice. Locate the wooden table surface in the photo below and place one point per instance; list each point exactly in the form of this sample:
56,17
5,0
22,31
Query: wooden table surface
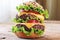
52,31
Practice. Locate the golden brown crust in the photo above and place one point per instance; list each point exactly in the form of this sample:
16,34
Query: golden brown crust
35,4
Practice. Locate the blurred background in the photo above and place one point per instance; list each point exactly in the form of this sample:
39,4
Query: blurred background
8,9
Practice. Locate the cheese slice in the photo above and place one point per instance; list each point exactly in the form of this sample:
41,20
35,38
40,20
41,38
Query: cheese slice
41,17
21,13
29,25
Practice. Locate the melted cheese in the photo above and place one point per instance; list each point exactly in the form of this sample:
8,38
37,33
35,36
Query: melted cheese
29,25
41,17
21,13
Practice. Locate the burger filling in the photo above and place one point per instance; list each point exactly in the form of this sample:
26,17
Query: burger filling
27,18
30,7
37,29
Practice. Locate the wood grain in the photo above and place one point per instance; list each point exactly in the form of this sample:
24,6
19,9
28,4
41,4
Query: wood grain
43,3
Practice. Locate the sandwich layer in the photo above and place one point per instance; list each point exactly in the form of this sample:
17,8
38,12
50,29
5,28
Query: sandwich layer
29,28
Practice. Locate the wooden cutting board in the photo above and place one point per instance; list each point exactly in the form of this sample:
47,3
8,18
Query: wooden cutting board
52,32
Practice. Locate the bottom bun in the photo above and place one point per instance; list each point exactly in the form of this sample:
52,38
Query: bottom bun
22,35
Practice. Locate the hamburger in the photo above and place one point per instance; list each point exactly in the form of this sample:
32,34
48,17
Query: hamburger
30,20
28,30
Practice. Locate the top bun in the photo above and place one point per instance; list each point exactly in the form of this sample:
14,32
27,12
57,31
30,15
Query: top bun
32,7
35,4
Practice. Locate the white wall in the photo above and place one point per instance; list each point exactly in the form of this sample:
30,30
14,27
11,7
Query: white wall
4,10
8,9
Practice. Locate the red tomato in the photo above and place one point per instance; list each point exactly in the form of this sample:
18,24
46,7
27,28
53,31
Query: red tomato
34,12
33,21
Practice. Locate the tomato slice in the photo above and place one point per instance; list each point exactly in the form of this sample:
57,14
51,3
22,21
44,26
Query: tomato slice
33,21
35,12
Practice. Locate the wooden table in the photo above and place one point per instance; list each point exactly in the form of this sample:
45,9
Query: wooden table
52,31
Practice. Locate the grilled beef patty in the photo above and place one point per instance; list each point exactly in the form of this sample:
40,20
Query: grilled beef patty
22,25
37,26
27,17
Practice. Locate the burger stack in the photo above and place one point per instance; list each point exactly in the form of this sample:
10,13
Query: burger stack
30,20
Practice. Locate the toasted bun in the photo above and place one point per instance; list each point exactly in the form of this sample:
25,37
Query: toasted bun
35,4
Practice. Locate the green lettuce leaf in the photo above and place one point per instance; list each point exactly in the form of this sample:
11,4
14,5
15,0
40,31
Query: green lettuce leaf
19,20
14,29
27,33
46,13
39,32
